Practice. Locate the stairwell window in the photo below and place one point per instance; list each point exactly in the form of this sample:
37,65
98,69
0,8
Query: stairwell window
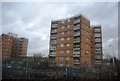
62,39
67,51
68,32
68,38
68,45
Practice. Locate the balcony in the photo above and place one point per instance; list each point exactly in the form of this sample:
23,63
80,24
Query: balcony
76,62
53,36
77,40
52,48
97,35
76,55
54,25
76,48
53,42
98,40
97,29
77,27
98,57
54,31
76,33
52,55
98,52
76,51
76,20
98,45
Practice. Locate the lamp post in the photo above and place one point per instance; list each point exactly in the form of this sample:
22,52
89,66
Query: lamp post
112,54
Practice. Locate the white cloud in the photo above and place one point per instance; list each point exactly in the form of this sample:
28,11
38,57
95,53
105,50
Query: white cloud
60,1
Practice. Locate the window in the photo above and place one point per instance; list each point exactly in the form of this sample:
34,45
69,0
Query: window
68,32
68,26
61,58
61,51
68,38
86,52
62,45
68,44
62,27
67,51
62,39
61,64
67,58
68,20
62,33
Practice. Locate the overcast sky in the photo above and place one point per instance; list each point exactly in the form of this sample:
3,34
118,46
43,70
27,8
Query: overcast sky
32,20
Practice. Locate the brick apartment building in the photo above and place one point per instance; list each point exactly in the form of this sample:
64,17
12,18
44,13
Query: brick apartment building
97,44
13,46
73,42
70,42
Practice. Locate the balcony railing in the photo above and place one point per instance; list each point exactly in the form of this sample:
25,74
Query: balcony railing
76,62
53,42
97,40
77,48
77,27
53,37
98,57
76,21
98,35
76,55
98,45
52,55
98,52
52,48
77,34
98,30
77,51
54,26
54,31
76,40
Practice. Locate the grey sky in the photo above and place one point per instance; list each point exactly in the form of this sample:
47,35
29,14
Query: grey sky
32,20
